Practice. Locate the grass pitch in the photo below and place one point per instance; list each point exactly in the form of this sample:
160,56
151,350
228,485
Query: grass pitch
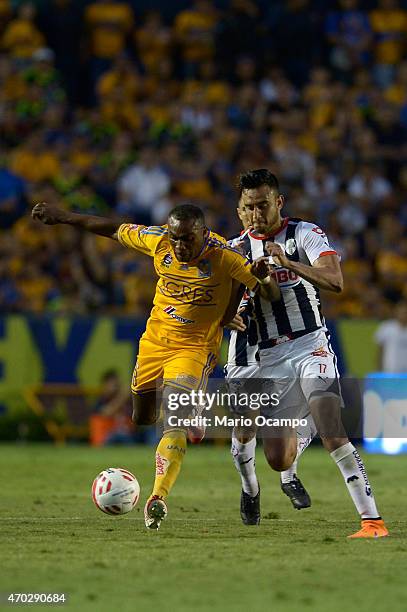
53,539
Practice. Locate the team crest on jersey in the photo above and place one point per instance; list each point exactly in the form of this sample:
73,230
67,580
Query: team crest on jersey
167,260
204,267
290,246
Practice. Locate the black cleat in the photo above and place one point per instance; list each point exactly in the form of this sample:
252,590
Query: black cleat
250,508
297,494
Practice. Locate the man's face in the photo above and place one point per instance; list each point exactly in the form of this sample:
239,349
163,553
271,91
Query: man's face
186,238
260,208
244,215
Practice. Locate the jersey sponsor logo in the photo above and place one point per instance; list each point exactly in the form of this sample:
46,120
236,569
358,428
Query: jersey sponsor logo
204,268
290,246
283,276
167,260
170,310
187,294
161,464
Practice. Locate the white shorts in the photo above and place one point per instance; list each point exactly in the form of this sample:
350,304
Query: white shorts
301,369
235,372
241,380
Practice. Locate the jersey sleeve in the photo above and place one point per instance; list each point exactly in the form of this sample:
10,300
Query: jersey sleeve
239,267
314,241
141,238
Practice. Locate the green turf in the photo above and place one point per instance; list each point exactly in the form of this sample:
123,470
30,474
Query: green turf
53,539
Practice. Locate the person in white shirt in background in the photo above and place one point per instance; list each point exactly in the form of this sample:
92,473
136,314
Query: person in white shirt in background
391,336
144,188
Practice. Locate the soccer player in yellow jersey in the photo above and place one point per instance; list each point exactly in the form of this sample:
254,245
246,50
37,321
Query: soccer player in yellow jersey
198,273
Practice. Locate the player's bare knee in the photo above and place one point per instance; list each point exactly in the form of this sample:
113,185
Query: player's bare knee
144,409
277,460
143,419
279,464
280,453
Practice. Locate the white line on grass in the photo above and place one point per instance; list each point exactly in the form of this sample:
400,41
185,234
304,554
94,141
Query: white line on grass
139,518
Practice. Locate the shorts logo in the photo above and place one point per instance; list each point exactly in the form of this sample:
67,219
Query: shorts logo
161,465
320,352
167,260
187,379
290,246
204,267
282,339
170,310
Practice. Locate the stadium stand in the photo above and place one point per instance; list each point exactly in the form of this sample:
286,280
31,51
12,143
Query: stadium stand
117,110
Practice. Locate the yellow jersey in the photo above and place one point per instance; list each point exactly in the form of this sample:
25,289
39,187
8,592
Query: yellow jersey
191,298
109,24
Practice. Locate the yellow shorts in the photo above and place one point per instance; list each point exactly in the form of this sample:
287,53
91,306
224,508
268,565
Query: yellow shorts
184,368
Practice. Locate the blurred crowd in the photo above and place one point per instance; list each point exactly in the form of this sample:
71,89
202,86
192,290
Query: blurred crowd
113,110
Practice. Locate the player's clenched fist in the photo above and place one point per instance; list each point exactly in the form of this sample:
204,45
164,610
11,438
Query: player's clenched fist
278,255
49,214
260,267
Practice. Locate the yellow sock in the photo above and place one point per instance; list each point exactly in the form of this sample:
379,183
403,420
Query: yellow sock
168,459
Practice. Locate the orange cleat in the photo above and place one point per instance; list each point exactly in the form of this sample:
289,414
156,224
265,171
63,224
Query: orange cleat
371,528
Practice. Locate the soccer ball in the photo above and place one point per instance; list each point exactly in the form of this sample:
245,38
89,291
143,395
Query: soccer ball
115,491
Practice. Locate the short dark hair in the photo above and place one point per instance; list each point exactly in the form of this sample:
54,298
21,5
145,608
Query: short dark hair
186,212
256,178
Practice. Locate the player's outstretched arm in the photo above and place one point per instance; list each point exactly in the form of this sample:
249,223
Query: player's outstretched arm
268,289
53,215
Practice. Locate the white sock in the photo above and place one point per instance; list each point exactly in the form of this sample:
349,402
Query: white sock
288,475
353,470
303,441
245,462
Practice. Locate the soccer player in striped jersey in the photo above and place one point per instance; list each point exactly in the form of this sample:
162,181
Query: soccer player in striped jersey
295,354
178,350
243,363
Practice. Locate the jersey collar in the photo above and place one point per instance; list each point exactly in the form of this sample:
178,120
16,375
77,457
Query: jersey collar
271,234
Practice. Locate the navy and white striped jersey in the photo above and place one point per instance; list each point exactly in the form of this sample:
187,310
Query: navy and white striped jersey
299,308
243,345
